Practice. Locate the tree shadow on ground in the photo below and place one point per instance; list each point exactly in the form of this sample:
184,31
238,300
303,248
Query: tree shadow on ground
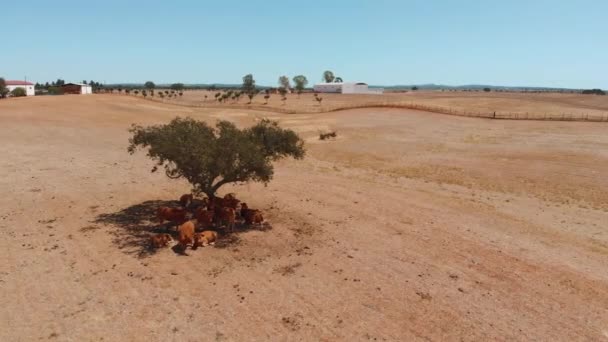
136,223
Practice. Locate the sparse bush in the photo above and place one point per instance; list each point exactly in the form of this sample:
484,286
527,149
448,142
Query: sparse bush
210,157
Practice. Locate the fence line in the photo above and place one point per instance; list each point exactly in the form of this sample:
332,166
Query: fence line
402,105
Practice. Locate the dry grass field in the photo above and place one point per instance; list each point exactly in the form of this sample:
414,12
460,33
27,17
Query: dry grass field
551,106
408,226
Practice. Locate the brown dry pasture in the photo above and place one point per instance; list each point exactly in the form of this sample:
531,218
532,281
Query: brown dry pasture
554,106
408,226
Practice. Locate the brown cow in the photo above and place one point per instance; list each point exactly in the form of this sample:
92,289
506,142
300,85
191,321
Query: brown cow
186,200
160,240
205,238
177,215
227,216
251,216
230,201
185,233
204,217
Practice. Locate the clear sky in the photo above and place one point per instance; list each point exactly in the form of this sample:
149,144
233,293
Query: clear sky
560,43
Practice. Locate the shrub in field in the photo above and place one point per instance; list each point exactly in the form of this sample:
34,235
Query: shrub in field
18,92
210,157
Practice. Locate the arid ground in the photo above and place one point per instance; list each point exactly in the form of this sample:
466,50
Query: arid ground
409,226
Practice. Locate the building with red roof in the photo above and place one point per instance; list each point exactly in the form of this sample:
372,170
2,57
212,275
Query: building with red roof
28,86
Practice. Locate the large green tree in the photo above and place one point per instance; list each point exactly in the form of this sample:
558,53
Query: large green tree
149,85
210,157
300,82
328,76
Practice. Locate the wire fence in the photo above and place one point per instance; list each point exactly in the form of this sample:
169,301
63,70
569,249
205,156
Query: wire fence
332,107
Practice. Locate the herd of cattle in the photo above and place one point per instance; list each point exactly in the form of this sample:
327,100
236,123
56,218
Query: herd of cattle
208,215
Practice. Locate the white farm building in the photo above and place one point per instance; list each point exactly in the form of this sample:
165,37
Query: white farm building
29,87
346,88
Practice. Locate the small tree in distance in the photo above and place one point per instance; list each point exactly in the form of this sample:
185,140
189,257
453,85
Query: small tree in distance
209,158
300,82
248,83
328,76
149,85
284,82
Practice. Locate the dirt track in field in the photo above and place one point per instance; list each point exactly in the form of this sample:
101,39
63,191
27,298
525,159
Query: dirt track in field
408,226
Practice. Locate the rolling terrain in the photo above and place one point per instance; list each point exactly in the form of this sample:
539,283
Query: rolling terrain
408,226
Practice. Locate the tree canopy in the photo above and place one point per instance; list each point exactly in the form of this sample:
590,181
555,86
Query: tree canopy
300,83
177,86
210,157
18,92
284,82
328,76
149,85
248,84
3,88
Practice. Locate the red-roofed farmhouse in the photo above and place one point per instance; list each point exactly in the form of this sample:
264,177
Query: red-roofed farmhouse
28,86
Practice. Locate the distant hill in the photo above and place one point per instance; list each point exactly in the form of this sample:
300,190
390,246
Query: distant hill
433,86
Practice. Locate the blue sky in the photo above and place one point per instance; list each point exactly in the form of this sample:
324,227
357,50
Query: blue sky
383,42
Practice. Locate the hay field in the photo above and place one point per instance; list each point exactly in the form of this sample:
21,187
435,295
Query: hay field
550,106
409,226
